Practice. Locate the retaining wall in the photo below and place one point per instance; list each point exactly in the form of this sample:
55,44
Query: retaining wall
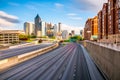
107,59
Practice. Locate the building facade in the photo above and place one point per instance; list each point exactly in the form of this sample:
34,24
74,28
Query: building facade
10,36
29,28
117,16
95,26
59,27
55,30
105,21
49,30
88,29
38,28
111,17
91,29
73,33
100,25
43,28
64,34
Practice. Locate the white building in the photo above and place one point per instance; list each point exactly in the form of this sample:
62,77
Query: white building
10,36
43,31
55,30
64,34
29,28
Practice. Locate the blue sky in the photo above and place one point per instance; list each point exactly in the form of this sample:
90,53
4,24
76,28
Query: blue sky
71,13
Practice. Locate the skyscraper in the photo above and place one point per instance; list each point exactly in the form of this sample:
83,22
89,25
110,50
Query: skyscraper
55,30
59,27
64,34
73,32
29,28
43,27
38,27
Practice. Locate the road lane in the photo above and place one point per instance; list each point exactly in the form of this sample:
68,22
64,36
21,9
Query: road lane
17,51
70,62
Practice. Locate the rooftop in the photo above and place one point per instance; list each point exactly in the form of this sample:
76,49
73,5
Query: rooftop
12,31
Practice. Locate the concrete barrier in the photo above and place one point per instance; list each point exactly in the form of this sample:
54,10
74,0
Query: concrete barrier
107,59
6,63
4,47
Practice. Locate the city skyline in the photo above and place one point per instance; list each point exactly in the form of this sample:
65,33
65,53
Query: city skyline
69,13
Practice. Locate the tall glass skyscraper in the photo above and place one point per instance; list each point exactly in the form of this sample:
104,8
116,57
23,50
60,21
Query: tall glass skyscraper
38,26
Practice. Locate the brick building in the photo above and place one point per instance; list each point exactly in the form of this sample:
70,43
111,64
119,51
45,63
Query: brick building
100,25
91,29
95,26
111,17
117,16
107,26
88,29
105,21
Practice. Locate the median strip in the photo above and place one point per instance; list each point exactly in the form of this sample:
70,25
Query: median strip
6,63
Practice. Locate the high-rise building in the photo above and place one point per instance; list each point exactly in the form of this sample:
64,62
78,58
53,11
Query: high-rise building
91,29
100,25
81,32
64,34
73,32
59,27
38,27
111,17
95,26
29,28
105,21
117,17
49,30
88,29
55,29
43,28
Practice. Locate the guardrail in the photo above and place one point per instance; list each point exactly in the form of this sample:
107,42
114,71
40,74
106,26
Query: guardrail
21,45
6,63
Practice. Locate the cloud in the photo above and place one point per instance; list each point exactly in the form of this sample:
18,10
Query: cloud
71,14
70,28
13,4
76,18
89,5
7,20
58,5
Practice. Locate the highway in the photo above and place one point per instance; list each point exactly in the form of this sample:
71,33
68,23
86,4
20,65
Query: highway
71,62
17,51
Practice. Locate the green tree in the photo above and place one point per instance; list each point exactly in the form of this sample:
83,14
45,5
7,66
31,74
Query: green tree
23,37
76,38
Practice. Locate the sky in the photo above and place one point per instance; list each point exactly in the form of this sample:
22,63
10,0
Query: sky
71,13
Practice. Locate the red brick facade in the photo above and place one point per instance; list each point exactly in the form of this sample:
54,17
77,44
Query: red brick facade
105,21
88,29
117,16
108,20
111,17
100,25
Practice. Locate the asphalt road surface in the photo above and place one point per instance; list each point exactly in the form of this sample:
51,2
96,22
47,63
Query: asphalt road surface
17,51
70,62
